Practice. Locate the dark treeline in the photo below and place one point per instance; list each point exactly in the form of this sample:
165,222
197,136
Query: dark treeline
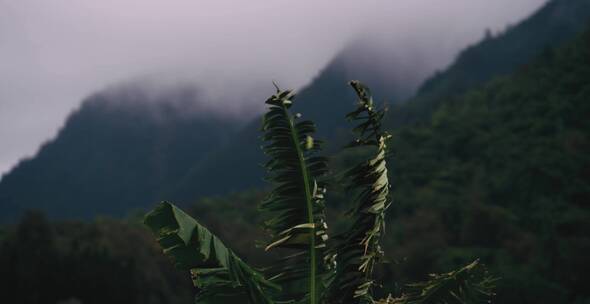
104,261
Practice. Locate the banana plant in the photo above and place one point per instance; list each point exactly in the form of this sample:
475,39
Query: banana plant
358,248
296,204
315,268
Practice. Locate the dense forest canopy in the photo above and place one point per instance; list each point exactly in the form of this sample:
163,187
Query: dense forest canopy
503,173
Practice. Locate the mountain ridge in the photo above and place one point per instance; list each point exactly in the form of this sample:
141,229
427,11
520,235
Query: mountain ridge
138,161
112,154
553,24
563,16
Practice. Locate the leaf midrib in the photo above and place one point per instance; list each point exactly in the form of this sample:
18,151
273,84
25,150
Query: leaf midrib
308,201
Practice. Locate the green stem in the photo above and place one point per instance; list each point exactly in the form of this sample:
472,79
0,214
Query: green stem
309,203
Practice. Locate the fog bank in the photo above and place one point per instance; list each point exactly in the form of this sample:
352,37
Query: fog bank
53,53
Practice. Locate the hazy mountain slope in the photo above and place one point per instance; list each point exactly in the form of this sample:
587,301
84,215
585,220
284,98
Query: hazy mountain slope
328,98
503,173
500,173
556,22
123,150
115,156
119,151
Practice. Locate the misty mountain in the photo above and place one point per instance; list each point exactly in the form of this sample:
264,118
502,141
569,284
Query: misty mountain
326,101
127,148
117,152
502,173
555,23
328,98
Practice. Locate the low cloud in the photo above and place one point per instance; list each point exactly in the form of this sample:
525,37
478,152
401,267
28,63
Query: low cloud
53,53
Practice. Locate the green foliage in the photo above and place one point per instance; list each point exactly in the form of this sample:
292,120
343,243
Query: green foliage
499,173
215,269
359,247
502,173
461,286
296,204
315,270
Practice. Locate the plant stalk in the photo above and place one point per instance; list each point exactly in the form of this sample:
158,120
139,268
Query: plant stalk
309,203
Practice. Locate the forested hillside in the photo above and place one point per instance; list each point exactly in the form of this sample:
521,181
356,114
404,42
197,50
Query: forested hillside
496,55
128,148
102,261
488,160
500,173
327,97
503,173
115,154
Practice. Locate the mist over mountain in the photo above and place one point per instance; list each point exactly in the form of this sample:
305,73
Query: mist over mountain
56,52
161,137
134,144
496,55
488,159
396,70
328,98
116,153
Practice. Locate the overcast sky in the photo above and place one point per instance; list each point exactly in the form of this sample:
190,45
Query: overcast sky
53,53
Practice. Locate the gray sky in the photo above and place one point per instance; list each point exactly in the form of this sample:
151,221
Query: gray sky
53,53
